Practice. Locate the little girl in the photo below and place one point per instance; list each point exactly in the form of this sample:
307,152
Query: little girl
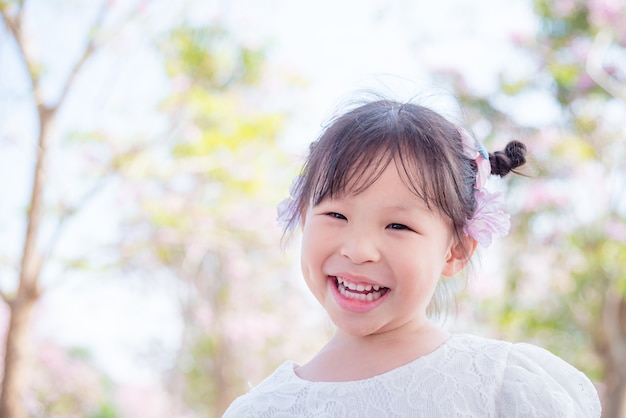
391,199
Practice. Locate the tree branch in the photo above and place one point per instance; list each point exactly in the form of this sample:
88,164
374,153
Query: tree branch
613,305
6,298
91,47
598,50
87,52
70,213
14,26
20,13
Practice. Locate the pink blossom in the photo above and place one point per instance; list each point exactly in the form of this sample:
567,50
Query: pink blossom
616,230
606,12
564,8
545,195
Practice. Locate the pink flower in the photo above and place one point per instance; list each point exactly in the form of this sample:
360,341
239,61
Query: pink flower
489,219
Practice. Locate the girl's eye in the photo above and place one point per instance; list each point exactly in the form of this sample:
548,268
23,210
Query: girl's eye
336,215
398,227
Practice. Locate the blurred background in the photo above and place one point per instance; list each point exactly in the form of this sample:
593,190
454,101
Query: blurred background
144,145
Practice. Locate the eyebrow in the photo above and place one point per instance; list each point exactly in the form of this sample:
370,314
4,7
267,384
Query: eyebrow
401,208
405,208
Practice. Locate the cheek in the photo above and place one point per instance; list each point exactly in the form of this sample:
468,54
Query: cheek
313,236
310,248
312,263
307,237
316,248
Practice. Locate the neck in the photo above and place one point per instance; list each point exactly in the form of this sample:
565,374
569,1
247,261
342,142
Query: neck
348,357
419,340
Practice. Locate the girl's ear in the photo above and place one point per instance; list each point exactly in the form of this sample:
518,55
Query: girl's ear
459,255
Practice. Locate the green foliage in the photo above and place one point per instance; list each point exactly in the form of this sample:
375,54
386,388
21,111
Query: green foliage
605,256
106,411
513,88
564,74
574,149
207,199
201,374
562,28
210,58
7,4
66,383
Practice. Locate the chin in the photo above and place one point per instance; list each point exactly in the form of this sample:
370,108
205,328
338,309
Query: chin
356,330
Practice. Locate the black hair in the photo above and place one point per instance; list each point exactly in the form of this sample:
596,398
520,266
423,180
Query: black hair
357,146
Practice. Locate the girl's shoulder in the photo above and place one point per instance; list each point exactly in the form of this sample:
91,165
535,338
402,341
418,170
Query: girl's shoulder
533,380
263,396
534,373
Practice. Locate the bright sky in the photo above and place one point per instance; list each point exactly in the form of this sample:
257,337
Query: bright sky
343,46
337,47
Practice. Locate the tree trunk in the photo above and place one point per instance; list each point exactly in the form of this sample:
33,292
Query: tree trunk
17,357
223,373
16,367
16,364
614,357
613,405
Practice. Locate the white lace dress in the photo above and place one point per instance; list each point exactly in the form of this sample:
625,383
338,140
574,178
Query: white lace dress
468,376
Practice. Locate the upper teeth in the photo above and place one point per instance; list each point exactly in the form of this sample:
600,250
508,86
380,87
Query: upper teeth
358,287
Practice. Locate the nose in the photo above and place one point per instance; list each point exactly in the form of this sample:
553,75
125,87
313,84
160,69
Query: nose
360,247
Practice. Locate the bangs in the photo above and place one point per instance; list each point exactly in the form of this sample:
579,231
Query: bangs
356,148
424,169
350,171
353,155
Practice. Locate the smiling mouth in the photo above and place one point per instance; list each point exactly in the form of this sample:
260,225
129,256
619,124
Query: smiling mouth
362,292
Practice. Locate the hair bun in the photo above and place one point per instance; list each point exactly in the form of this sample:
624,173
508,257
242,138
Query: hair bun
513,156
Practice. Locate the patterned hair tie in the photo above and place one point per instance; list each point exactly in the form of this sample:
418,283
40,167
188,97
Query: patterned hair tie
489,219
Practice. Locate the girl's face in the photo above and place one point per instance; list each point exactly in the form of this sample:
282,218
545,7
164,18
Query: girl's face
373,259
